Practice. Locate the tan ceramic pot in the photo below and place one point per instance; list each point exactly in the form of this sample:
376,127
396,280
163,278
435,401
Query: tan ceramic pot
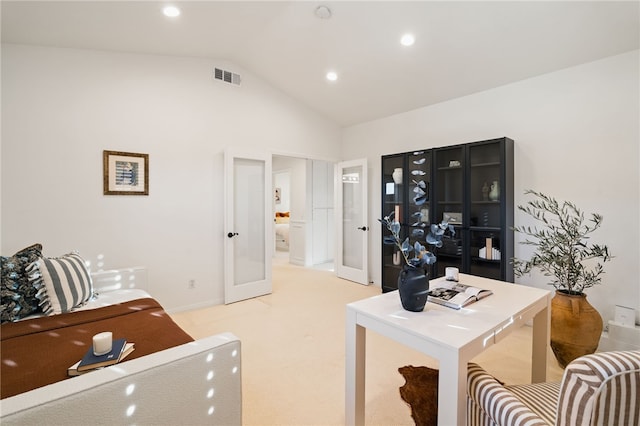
576,327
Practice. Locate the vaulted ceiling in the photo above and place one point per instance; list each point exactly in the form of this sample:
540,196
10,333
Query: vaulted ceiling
461,47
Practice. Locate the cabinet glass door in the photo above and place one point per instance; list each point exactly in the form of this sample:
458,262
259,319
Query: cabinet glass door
406,193
449,205
485,193
393,170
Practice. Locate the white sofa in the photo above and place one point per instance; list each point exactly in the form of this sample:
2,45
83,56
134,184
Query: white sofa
197,383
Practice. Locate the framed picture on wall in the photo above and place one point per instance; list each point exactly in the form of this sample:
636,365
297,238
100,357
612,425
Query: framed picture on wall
125,173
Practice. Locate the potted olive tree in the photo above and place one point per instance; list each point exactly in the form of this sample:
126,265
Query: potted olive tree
564,253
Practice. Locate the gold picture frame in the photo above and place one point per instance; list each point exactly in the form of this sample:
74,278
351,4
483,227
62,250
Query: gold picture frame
125,173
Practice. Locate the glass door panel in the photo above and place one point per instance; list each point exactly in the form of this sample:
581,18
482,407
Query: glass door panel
353,228
484,187
249,219
393,202
352,218
248,227
449,205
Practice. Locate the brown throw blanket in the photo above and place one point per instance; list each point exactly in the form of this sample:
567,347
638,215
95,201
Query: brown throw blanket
37,352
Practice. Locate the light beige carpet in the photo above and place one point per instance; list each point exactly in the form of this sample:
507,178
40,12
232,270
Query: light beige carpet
293,352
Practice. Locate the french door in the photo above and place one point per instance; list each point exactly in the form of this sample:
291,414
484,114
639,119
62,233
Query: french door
248,225
351,221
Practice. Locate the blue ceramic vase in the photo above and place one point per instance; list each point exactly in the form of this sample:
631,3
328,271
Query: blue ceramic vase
413,286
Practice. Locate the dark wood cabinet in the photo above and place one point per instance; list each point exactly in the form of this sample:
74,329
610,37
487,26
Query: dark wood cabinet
470,186
406,185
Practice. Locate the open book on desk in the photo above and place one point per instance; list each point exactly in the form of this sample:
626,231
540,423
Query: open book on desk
454,294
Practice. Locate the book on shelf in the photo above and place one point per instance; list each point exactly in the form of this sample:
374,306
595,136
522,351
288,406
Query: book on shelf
493,254
454,294
89,362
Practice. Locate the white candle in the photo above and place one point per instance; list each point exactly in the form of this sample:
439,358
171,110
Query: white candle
102,343
451,274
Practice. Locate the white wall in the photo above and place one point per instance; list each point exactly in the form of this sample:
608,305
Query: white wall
62,107
576,135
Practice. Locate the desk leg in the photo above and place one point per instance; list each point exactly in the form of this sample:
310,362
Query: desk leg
540,340
354,369
452,391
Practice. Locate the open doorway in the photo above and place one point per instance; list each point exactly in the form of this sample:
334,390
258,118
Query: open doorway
282,210
303,211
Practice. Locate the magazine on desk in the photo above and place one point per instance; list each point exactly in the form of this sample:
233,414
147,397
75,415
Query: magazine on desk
454,294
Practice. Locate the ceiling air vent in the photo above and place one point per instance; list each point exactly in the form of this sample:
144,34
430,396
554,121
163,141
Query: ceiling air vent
226,76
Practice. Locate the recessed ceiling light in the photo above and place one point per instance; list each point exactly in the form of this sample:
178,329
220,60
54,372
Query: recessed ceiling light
332,76
171,11
407,40
323,12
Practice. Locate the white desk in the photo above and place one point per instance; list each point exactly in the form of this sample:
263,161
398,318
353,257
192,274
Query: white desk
453,337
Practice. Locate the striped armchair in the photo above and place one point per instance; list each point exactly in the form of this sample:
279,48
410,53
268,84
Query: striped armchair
597,389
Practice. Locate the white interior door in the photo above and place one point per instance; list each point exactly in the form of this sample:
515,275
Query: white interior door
351,221
248,225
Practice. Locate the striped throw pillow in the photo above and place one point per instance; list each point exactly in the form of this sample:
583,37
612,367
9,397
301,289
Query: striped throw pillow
66,280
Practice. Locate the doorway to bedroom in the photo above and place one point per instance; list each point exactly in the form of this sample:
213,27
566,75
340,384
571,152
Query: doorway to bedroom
303,211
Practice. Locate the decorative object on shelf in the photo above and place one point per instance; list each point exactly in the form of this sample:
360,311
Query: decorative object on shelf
421,191
397,175
489,253
563,251
488,245
485,192
424,212
125,173
454,218
494,193
413,282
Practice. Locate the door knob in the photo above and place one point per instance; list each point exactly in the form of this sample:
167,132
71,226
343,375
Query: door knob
232,234
363,228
